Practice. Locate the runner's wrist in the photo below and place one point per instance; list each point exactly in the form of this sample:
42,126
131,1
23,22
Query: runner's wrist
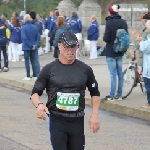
37,105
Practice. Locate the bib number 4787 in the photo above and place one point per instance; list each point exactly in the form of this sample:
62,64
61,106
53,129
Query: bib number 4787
68,101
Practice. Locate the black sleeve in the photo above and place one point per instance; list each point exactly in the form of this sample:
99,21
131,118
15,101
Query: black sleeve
92,83
107,33
52,35
42,81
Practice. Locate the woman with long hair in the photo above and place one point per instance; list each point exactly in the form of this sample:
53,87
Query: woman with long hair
15,39
61,27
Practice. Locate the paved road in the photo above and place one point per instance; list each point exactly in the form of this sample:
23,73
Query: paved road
20,130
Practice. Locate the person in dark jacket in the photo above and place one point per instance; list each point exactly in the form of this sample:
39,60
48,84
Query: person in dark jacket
30,42
114,60
76,26
40,28
4,36
93,34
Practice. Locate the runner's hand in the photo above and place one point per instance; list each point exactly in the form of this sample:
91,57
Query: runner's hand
94,123
41,110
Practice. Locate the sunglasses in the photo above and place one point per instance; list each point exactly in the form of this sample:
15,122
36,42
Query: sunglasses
72,47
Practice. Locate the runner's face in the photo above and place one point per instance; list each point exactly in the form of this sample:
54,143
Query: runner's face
68,53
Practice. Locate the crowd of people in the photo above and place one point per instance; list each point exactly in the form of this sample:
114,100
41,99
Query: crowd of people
66,78
114,60
18,39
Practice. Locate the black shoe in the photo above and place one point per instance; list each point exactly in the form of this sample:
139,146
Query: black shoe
107,98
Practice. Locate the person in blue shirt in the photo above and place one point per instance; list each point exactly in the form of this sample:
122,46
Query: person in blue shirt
65,17
48,25
145,48
93,34
21,15
30,42
4,36
15,40
76,26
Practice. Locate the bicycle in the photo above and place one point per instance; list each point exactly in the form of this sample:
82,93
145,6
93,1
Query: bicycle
132,77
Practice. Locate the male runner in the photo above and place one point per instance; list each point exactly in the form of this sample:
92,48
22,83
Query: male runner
65,80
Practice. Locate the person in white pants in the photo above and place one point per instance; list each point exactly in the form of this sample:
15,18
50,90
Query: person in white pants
47,45
48,25
78,52
76,26
13,52
93,50
15,40
93,34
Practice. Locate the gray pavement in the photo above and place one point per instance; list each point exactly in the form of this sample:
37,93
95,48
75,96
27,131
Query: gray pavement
130,106
21,130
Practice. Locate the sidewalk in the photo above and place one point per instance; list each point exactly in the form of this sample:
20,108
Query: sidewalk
131,106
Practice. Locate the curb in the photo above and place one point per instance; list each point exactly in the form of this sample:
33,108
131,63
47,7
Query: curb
132,112
138,113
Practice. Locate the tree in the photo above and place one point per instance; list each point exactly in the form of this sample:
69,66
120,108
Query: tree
1,2
16,3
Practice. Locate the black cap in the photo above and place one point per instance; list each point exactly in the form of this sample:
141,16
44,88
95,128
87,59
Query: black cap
147,16
68,38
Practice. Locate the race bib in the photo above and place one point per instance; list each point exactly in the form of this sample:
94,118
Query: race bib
67,101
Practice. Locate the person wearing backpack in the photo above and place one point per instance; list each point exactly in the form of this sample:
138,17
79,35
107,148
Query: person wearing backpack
4,36
114,59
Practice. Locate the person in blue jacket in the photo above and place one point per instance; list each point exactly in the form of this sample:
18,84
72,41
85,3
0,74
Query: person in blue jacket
76,26
65,17
48,26
30,42
4,37
114,60
15,40
93,34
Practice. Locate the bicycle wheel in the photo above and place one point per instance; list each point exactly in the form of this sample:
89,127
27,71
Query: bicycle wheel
129,81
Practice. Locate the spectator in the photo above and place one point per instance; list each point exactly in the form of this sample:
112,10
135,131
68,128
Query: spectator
4,36
4,19
114,60
76,26
30,42
65,17
93,34
21,17
40,28
61,27
15,40
139,55
15,14
48,25
145,48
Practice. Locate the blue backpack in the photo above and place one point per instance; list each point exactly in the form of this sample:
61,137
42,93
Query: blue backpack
122,40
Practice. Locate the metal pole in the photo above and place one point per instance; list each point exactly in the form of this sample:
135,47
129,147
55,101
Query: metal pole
25,5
